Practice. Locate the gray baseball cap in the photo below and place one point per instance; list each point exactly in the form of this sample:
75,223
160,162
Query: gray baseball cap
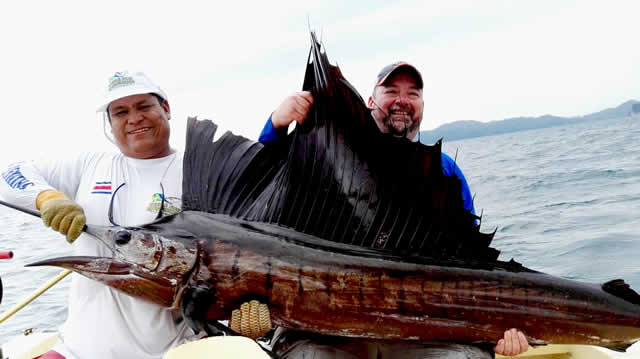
396,66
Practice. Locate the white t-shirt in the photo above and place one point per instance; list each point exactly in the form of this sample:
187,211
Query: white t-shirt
103,322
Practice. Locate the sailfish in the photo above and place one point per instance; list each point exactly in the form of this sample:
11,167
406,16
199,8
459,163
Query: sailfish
343,230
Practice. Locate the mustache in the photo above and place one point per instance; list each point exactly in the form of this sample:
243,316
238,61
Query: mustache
408,109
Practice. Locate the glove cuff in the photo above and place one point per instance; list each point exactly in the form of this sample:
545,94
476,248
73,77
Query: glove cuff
47,195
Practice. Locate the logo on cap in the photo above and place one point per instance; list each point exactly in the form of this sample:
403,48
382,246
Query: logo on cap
120,79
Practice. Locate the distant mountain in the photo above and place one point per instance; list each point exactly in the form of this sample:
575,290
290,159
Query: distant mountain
467,129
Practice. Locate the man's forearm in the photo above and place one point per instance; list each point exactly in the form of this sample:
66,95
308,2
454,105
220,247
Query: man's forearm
271,134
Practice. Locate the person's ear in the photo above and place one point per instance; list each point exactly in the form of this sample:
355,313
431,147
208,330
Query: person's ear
370,103
167,109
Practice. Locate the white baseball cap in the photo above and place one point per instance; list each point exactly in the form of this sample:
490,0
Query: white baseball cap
123,84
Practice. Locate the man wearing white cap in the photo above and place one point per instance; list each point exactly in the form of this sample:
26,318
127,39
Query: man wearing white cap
102,322
396,105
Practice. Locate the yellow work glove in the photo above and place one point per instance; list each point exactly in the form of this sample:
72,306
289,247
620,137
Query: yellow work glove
251,320
61,213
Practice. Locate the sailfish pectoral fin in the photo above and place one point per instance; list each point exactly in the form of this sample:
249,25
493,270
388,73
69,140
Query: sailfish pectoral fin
195,304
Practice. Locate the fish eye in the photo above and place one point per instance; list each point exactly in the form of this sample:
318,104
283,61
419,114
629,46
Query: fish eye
123,237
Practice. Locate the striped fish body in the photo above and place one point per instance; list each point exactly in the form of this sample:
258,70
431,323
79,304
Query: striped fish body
319,286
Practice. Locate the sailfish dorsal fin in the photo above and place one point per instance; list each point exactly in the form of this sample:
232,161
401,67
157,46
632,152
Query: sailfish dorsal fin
335,177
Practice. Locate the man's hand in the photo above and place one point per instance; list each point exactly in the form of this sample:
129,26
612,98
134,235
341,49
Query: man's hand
513,343
252,320
293,108
61,214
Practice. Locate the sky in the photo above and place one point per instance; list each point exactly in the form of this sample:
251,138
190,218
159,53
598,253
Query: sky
235,62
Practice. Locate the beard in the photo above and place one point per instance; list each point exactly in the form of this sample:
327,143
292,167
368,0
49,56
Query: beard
400,125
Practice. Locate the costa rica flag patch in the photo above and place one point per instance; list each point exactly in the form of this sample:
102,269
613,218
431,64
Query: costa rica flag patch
102,188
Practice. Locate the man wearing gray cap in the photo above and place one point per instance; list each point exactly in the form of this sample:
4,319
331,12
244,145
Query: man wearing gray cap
103,322
396,106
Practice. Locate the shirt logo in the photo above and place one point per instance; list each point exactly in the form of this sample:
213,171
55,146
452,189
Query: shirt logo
171,205
102,188
15,179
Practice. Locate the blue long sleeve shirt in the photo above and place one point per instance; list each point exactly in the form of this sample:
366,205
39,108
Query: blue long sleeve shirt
449,166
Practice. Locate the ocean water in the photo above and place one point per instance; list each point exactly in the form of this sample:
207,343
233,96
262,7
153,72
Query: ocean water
565,201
